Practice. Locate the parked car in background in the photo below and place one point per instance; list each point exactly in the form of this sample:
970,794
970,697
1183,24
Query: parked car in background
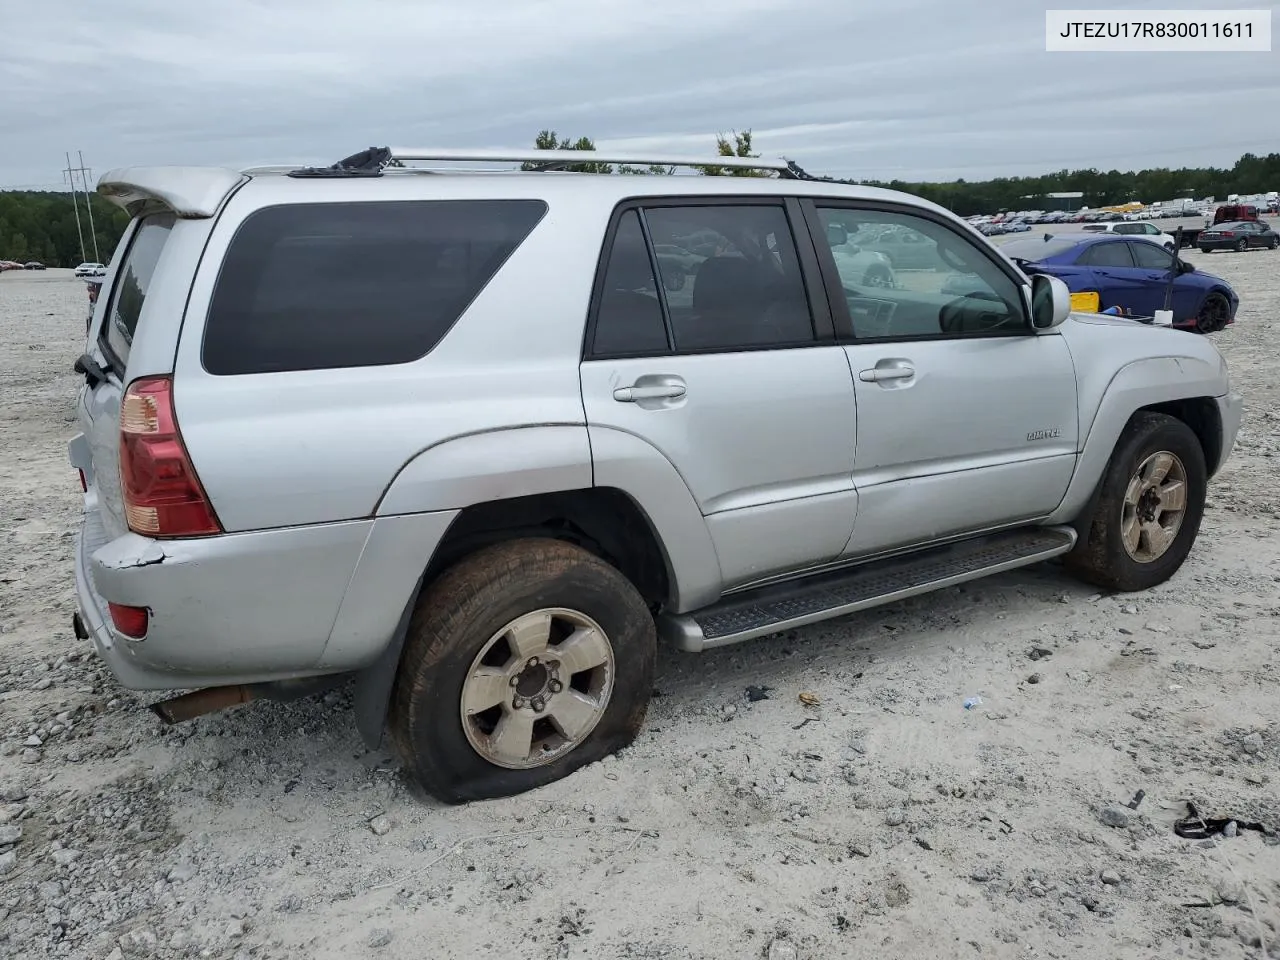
90,270
1241,235
1130,228
33,265
1130,273
902,249
9,265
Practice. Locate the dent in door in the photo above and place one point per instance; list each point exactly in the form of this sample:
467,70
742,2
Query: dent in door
798,533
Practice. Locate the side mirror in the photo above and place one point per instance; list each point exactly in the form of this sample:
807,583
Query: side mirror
1184,267
1050,301
837,235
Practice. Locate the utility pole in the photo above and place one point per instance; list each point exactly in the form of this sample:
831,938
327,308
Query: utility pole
84,177
69,175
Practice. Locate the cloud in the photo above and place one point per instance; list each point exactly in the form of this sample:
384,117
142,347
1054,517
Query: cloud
914,89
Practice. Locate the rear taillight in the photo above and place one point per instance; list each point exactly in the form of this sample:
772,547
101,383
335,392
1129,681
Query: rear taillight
1225,233
131,621
162,494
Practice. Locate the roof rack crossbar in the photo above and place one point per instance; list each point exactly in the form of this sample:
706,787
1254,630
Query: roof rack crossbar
372,162
551,159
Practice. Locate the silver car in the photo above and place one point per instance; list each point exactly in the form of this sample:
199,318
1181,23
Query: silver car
457,438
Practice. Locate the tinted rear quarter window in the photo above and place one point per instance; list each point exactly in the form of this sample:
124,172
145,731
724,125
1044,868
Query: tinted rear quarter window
132,283
329,285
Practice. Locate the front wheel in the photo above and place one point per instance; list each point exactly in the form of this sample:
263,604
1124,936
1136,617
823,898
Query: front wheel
1214,314
1275,242
1242,245
524,662
1149,510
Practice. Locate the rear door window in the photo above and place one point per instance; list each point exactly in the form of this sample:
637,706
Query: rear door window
1106,255
329,285
132,283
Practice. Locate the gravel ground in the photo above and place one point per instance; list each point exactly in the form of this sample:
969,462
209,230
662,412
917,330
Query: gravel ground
883,819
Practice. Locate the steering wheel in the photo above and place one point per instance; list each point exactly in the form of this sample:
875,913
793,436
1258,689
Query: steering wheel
953,314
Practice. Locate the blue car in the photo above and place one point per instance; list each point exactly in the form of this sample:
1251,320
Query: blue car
1131,273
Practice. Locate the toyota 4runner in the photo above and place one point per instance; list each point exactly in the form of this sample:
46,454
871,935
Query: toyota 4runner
476,440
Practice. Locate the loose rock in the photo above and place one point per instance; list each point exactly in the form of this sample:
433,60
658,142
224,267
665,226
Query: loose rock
1114,817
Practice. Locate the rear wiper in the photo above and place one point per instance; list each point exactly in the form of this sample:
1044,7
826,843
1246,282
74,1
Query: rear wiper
93,373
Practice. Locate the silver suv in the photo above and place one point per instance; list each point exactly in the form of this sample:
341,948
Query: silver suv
475,440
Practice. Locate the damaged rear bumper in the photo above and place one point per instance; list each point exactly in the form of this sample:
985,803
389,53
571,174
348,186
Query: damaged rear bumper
255,607
233,609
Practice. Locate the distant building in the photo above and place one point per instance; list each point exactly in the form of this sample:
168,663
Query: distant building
1059,201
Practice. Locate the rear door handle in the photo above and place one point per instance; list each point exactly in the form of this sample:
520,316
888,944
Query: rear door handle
878,374
657,391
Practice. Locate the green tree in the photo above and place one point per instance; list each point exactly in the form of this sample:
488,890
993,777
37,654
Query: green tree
42,225
547,140
738,146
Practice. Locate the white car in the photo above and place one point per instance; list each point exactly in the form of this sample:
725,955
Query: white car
1131,228
91,270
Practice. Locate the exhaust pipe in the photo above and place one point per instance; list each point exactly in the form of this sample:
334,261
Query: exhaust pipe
188,706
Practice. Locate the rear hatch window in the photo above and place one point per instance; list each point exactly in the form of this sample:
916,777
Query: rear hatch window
328,285
131,286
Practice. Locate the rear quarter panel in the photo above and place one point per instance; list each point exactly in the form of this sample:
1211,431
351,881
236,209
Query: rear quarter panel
288,448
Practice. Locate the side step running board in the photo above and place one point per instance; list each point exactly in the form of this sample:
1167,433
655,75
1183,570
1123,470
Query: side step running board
795,603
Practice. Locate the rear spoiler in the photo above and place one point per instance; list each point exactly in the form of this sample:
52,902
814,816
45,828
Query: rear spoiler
193,193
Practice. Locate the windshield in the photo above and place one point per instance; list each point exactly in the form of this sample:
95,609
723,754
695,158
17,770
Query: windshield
1036,249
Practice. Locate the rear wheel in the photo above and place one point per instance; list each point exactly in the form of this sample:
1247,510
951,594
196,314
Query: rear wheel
1275,242
1214,314
1149,510
524,662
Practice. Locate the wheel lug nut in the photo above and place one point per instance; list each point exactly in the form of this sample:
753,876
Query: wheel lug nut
515,681
533,662
538,705
517,703
556,686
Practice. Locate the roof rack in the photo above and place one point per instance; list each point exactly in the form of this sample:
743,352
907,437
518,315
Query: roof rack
372,162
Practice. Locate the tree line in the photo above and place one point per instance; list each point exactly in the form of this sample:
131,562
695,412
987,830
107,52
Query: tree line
1251,174
42,225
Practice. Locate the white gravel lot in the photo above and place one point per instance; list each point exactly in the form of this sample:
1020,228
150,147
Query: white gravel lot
885,822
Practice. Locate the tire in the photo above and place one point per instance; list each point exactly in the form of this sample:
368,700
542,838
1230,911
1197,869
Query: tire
1101,556
1242,245
464,613
1275,242
1214,313
1206,250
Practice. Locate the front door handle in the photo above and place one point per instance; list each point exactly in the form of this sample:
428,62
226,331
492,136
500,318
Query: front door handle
879,374
656,391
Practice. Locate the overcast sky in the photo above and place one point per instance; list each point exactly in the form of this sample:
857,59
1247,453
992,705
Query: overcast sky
915,89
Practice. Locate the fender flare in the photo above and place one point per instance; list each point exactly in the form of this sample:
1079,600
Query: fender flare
1136,386
554,458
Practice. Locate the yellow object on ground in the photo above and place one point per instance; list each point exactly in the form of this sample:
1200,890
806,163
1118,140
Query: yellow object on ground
1088,302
